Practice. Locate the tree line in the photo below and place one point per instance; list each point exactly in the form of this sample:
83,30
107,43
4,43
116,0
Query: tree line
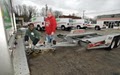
27,12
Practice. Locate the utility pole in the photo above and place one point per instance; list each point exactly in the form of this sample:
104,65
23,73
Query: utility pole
46,7
83,14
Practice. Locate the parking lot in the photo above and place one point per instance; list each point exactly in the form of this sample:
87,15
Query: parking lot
76,60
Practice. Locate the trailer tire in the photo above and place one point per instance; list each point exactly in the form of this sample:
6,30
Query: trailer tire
97,28
117,41
79,43
112,45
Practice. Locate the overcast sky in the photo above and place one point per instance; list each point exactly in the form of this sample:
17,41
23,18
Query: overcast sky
91,7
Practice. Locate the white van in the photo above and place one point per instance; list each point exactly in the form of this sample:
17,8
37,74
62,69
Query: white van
38,22
98,26
64,23
79,23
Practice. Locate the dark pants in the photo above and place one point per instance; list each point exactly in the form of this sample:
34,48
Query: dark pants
35,41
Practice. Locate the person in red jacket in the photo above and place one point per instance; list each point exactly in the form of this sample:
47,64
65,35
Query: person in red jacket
50,27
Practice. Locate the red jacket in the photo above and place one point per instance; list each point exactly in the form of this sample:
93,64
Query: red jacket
50,25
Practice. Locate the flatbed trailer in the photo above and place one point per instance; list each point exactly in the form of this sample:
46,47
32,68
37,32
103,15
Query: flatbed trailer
92,40
81,38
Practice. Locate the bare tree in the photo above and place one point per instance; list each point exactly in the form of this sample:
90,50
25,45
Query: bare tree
73,14
32,11
50,9
43,12
57,13
18,10
25,11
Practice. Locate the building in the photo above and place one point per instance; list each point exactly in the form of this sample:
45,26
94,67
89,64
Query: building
69,16
112,20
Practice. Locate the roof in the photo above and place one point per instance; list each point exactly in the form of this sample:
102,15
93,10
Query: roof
69,16
109,17
118,19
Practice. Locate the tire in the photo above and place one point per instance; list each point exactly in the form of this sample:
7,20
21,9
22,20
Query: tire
113,44
63,27
97,28
117,42
79,43
78,27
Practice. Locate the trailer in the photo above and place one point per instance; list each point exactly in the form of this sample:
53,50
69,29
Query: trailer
81,38
92,40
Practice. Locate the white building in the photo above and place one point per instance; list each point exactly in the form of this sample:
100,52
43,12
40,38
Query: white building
112,20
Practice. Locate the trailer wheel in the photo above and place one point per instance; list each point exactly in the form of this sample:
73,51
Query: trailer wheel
117,42
79,43
97,28
112,45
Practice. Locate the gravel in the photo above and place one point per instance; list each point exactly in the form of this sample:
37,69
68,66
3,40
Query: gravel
76,60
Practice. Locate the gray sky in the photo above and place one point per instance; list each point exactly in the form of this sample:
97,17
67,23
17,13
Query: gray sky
91,7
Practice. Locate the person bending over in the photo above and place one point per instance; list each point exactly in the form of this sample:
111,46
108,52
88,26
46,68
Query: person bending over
33,34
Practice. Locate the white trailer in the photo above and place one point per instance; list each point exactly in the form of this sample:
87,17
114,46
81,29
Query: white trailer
88,40
92,40
64,23
38,22
79,23
101,41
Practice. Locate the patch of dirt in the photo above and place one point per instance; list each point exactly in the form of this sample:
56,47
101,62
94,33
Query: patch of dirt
76,61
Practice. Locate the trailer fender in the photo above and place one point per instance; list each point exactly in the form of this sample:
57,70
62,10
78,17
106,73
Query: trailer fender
108,40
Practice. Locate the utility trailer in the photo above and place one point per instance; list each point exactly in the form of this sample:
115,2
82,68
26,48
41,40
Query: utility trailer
92,40
88,40
95,41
